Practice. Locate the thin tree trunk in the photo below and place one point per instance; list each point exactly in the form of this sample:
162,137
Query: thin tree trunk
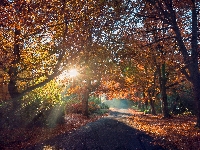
13,91
139,105
85,102
86,92
165,103
163,81
195,68
152,104
145,101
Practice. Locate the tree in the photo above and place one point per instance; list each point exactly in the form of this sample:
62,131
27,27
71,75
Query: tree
151,47
32,51
39,40
180,17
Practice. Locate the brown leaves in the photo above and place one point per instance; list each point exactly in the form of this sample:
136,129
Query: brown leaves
178,131
21,138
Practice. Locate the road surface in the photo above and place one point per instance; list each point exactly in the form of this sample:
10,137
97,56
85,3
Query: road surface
109,133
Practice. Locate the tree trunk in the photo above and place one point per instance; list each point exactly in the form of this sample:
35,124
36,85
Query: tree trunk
13,91
197,100
164,93
152,104
12,88
85,103
196,92
139,105
12,85
191,62
13,72
165,103
145,101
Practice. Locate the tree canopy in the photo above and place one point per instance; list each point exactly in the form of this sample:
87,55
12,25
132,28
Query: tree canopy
124,47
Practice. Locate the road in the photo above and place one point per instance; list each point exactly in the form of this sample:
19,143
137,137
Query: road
109,133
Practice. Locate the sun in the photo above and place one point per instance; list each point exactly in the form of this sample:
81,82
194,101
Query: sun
73,73
66,74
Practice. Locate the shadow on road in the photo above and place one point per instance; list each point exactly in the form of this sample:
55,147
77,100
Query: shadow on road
104,134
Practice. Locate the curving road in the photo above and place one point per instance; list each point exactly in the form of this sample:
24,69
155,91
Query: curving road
108,133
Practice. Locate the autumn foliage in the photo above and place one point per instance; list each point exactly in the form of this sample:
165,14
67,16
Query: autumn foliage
143,50
175,133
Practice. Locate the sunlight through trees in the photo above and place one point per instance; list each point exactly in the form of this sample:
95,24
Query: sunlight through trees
66,51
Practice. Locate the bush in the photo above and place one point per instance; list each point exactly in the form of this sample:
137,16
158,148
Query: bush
48,117
94,99
75,106
102,111
104,106
92,107
147,111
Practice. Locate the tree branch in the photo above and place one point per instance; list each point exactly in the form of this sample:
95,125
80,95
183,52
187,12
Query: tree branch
176,83
183,71
157,41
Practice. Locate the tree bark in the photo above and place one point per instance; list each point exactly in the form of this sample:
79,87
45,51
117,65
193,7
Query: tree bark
86,91
85,102
13,72
165,103
152,104
163,81
151,101
196,92
197,99
191,62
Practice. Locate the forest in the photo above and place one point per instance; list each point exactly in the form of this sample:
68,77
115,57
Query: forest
59,57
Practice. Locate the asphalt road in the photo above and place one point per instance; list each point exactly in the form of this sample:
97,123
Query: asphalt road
108,133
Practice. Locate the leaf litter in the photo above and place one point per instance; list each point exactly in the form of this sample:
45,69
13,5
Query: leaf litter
21,138
178,132
174,133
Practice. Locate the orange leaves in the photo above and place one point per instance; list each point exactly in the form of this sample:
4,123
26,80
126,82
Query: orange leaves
179,130
73,90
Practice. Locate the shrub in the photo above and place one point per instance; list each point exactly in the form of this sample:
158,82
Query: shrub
102,111
104,106
77,108
92,107
94,99
147,111
73,107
